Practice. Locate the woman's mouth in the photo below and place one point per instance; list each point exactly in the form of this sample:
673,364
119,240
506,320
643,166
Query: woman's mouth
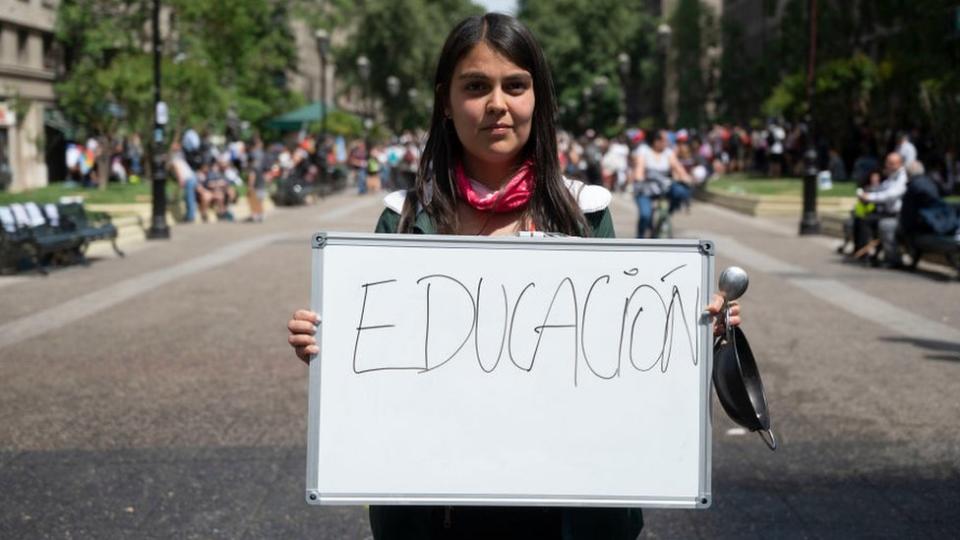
497,128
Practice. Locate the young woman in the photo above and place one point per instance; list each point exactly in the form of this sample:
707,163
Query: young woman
490,167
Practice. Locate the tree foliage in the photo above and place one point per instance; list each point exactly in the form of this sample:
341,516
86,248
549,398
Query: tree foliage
693,34
582,40
401,38
217,54
881,65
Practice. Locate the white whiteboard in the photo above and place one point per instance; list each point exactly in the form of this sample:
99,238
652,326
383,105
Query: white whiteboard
591,388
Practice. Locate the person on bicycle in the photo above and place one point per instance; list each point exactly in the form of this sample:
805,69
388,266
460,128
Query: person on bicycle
657,173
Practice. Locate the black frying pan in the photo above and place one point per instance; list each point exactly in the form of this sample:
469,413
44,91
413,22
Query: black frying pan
738,384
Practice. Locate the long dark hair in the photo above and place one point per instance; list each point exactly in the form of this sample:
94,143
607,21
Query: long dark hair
552,208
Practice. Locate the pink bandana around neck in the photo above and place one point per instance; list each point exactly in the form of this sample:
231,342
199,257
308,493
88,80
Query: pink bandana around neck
514,195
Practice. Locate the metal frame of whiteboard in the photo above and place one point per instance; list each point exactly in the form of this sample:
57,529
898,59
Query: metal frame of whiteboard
322,239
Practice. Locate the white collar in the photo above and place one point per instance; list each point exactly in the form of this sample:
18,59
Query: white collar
590,198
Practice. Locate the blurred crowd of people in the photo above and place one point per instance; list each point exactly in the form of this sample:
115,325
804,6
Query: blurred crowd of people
213,170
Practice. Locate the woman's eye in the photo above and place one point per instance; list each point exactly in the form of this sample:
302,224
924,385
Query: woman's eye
516,86
475,86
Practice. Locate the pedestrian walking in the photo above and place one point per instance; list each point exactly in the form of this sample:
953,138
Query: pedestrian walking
358,163
186,177
256,180
490,167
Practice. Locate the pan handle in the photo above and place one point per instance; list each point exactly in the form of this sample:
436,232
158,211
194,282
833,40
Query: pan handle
771,442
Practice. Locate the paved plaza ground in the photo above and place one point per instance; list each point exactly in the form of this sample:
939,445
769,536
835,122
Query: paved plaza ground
155,396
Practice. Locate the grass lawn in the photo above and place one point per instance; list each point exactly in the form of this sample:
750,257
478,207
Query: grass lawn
743,184
114,194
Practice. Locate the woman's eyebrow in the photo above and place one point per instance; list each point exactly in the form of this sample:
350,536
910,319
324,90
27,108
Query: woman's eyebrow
523,75
473,75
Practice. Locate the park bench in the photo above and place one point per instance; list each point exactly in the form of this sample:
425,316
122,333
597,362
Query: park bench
946,245
27,235
90,226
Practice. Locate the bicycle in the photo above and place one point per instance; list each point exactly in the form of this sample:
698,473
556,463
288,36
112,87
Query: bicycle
662,224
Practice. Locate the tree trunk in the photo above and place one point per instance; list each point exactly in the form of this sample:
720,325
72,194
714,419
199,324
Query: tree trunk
103,161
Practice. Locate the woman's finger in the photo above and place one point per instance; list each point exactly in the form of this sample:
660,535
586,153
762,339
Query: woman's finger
306,315
715,305
301,327
306,352
301,340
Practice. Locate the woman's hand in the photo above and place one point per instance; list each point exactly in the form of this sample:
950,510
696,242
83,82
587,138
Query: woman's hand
715,307
302,328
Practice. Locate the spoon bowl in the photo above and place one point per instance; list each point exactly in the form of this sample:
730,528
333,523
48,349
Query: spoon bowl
733,283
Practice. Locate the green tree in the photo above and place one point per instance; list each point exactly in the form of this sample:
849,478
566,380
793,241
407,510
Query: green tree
582,40
687,61
401,38
881,65
216,55
248,48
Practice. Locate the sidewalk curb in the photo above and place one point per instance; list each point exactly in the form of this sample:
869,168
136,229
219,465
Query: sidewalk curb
133,220
832,211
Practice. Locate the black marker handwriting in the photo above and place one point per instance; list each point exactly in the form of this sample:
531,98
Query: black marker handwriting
583,331
639,303
664,277
476,328
513,319
426,338
576,317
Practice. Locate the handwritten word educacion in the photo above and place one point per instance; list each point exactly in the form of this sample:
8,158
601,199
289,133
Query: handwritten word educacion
661,302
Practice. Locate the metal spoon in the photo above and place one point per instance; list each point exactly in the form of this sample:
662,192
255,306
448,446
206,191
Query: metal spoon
733,283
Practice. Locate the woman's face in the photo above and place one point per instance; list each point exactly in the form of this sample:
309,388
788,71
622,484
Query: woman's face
491,103
660,142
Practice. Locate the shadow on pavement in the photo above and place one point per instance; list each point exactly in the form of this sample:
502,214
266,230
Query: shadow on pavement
258,493
951,348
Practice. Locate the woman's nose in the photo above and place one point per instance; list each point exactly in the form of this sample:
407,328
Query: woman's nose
496,104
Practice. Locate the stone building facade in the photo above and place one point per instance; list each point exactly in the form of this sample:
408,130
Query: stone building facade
28,67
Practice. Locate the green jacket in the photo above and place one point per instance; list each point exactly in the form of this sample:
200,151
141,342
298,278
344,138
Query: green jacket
600,222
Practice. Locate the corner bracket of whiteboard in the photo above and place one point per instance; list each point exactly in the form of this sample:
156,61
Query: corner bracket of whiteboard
707,247
319,240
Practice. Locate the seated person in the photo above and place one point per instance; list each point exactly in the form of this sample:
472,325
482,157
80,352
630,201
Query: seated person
923,210
204,192
862,225
887,198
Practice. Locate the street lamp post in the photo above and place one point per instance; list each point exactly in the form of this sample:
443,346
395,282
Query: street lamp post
323,45
623,65
664,33
363,69
412,95
600,84
714,53
809,222
158,222
393,88
587,93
